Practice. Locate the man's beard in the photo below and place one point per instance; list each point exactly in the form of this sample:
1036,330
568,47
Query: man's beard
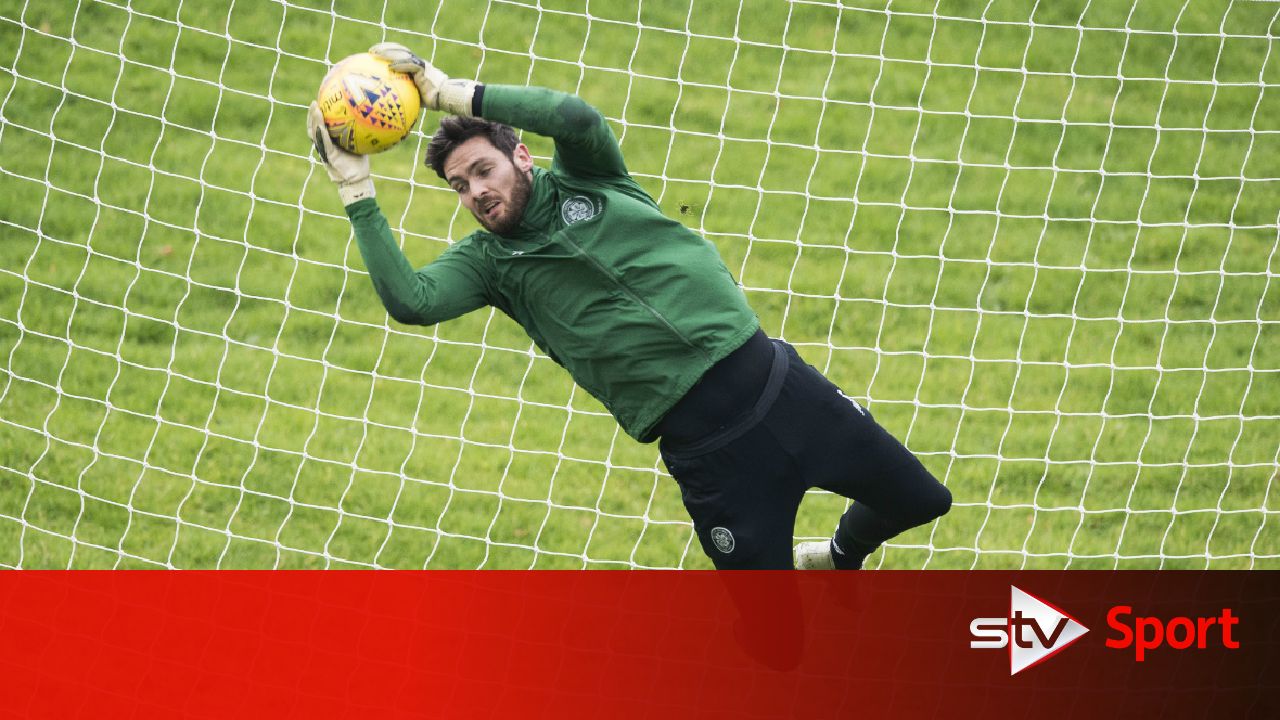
510,219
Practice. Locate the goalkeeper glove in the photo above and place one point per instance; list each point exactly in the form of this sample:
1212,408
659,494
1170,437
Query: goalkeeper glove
437,90
349,170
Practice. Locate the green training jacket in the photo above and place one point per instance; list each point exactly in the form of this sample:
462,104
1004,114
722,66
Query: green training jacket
632,303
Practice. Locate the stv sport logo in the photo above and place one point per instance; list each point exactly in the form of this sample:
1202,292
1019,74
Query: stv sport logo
1034,631
1037,630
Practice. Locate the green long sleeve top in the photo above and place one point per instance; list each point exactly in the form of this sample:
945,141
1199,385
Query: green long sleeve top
634,305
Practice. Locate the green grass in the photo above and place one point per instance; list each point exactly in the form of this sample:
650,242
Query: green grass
1069,314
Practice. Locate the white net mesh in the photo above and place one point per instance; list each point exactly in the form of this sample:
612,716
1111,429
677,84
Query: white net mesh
1037,239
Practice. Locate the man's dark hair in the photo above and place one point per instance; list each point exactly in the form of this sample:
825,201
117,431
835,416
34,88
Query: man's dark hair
455,130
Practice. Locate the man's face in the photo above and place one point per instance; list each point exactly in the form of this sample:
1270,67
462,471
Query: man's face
492,186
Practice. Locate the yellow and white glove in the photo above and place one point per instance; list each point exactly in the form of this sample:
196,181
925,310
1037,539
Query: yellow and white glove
438,91
349,170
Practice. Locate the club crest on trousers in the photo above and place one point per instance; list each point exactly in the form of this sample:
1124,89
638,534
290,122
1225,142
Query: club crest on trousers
722,539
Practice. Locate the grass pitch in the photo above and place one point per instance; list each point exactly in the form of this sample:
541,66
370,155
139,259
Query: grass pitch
1044,256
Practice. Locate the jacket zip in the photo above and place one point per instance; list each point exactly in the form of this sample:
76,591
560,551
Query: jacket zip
631,293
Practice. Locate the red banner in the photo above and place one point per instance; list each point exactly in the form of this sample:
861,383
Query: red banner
639,644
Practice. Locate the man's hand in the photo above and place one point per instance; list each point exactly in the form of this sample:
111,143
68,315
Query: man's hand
349,170
438,91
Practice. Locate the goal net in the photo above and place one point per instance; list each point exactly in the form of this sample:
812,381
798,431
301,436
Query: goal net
1037,239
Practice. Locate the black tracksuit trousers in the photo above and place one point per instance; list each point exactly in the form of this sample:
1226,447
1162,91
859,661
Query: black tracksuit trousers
760,428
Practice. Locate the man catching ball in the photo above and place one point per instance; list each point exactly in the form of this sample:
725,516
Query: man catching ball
645,316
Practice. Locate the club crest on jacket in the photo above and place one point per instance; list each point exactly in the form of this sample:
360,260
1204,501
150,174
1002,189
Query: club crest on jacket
577,209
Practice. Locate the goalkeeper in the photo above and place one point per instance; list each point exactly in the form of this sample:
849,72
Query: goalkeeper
645,316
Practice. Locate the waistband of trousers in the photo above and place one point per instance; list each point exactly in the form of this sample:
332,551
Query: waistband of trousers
744,422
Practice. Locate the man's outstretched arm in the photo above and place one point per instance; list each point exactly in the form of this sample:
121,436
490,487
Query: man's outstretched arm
450,286
585,144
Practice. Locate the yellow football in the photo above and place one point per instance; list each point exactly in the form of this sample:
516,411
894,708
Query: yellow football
367,106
